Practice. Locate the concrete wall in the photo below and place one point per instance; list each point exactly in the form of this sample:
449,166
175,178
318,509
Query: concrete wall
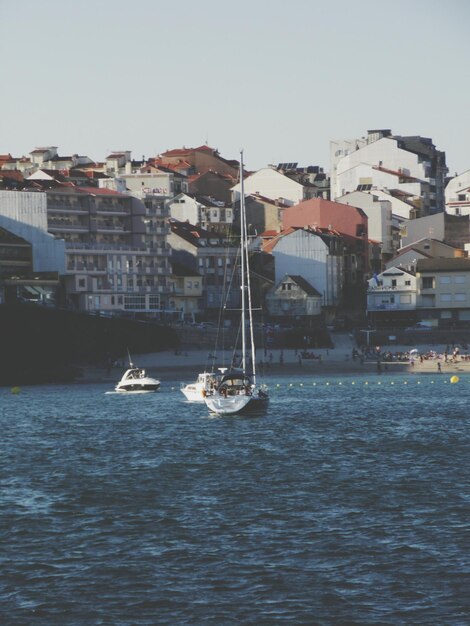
25,214
304,254
271,184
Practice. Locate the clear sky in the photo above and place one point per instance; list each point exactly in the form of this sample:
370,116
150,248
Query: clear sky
279,79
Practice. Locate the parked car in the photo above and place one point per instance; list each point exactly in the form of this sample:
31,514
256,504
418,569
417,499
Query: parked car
204,325
419,326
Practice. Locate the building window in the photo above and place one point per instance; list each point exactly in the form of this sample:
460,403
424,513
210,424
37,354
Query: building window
134,303
459,280
408,283
428,282
446,297
154,302
444,280
460,297
81,283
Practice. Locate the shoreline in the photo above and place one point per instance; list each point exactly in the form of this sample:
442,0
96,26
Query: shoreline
186,365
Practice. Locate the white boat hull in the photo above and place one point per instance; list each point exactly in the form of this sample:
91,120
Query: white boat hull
193,393
197,391
141,386
236,405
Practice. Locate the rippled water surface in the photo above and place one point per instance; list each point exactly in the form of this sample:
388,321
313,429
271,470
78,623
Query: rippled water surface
347,504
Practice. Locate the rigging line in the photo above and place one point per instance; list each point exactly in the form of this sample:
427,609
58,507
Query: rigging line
227,289
250,310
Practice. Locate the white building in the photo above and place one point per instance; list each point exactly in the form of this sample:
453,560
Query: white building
392,290
406,166
200,210
457,195
379,214
155,183
270,183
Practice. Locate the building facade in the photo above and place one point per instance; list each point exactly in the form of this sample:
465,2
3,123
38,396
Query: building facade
293,297
411,166
444,291
391,297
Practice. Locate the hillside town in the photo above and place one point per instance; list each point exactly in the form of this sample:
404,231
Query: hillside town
378,237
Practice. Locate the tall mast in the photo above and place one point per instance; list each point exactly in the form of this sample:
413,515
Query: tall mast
243,260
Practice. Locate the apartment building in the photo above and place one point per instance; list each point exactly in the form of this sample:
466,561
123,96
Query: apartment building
405,167
203,211
214,257
117,259
444,291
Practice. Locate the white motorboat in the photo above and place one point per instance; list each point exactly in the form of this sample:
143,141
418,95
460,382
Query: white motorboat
238,391
197,391
135,380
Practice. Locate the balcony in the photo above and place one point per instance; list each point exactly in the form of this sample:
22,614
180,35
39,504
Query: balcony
382,289
62,227
79,266
156,212
69,210
112,211
103,247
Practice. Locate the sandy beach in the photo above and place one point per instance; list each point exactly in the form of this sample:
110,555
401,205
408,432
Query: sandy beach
186,364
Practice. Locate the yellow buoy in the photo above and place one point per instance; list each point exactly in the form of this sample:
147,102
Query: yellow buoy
454,379
15,390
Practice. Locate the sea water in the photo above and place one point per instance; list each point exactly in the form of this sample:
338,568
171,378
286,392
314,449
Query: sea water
346,504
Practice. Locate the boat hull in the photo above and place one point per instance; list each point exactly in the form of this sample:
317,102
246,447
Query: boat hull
138,386
197,391
237,405
193,394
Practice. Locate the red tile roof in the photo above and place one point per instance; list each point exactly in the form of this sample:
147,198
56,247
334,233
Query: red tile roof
97,191
181,151
12,175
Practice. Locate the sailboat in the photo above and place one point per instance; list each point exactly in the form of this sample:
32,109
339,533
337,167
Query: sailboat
238,391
